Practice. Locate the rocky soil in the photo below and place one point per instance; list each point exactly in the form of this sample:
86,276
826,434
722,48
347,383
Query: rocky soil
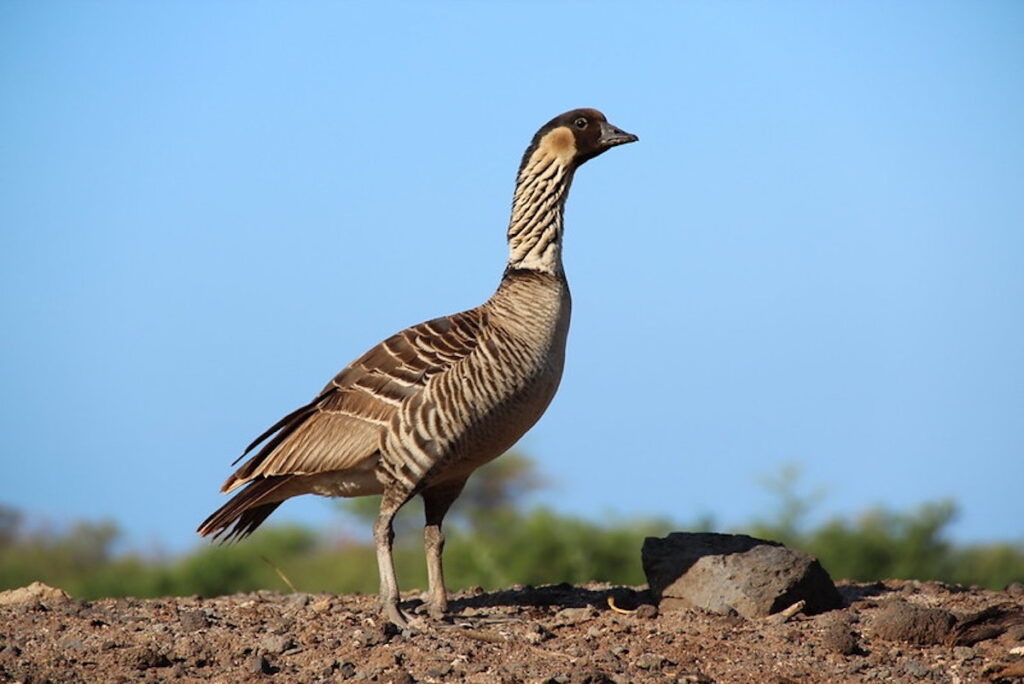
888,631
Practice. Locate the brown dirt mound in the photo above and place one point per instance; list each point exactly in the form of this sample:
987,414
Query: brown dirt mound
547,634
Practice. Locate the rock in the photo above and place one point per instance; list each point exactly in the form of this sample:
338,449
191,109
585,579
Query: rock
536,633
296,602
276,643
192,620
647,611
35,592
589,677
257,664
986,624
726,573
568,616
439,671
71,644
146,657
902,621
839,637
400,677
650,661
917,669
964,652
323,605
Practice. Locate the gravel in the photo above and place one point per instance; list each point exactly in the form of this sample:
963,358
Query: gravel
560,633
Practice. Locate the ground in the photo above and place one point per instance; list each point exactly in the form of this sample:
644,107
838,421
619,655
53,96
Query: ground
558,633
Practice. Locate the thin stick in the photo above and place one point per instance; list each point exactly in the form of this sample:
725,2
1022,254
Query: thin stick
623,611
280,574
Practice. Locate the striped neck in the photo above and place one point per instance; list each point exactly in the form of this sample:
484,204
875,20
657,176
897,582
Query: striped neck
535,230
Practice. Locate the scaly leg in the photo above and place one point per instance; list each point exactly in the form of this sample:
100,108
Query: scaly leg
384,537
436,502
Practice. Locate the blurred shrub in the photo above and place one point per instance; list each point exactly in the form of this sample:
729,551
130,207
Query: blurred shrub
493,541
880,543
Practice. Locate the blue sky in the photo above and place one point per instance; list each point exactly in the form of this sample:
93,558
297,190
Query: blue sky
814,255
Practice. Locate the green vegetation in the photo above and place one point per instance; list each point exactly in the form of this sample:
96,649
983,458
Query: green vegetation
493,541
881,543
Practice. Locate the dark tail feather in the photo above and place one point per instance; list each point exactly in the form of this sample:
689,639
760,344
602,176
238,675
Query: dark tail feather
289,422
245,511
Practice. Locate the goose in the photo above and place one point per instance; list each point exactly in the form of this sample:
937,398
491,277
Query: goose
419,412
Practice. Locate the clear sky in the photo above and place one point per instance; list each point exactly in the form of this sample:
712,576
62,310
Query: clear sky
814,255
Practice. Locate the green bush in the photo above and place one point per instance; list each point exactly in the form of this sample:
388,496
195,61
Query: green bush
492,542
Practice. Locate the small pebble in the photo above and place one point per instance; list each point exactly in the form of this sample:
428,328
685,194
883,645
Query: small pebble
535,634
257,664
917,669
647,611
649,661
297,601
400,677
574,614
276,643
964,652
71,644
146,658
322,606
838,637
192,620
440,670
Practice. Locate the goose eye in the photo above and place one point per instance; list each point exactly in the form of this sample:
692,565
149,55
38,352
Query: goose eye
580,123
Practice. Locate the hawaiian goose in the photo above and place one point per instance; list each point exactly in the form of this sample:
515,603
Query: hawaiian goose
418,413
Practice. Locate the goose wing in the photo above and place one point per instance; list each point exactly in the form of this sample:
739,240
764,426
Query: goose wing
341,428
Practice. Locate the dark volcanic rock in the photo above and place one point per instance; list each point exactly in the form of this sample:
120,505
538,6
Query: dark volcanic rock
839,636
723,573
902,621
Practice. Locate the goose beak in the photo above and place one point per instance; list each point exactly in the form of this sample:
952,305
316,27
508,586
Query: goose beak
612,136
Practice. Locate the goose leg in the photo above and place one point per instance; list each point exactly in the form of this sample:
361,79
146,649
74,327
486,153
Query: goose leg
384,537
436,502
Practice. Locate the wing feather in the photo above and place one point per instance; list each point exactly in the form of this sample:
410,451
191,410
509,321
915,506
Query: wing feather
342,427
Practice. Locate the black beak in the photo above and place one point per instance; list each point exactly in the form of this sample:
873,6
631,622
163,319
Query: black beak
612,136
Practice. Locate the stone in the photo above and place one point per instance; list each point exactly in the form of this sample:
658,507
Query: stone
570,616
536,634
322,606
33,593
401,677
917,669
734,574
440,670
647,611
839,636
145,657
276,643
650,661
257,664
193,620
913,624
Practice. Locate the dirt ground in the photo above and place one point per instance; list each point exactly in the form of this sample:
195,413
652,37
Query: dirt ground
889,631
